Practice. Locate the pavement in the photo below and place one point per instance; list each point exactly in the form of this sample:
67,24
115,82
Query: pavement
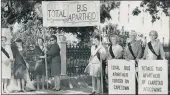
71,91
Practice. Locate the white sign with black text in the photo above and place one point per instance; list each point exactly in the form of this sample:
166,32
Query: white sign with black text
70,13
121,76
153,77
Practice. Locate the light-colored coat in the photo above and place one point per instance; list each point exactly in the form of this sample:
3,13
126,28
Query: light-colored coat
158,48
6,64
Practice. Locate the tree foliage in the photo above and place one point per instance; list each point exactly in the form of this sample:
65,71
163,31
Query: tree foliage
153,6
24,13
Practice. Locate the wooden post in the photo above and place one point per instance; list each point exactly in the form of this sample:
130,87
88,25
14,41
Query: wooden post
46,67
101,63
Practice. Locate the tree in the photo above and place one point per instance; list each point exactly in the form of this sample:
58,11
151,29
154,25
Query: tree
152,6
23,12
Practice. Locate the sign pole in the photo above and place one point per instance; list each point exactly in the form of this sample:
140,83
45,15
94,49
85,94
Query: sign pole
101,63
46,67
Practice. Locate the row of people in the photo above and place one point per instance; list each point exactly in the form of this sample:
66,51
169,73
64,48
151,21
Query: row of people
132,51
15,68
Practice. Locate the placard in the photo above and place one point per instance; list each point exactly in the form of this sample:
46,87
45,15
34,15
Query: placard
153,77
121,77
71,13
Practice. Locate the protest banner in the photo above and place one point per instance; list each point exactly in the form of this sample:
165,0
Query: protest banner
121,76
153,77
71,13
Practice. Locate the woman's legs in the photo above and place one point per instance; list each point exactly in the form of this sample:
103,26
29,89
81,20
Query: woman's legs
43,82
38,81
98,84
56,82
6,85
3,85
93,84
22,84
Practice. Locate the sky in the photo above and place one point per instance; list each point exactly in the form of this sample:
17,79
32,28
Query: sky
135,22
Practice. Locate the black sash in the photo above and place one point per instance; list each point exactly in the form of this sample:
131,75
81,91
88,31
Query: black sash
5,52
152,50
111,52
98,54
130,48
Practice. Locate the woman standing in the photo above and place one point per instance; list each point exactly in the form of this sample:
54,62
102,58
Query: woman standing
7,58
154,49
115,51
98,53
40,64
20,67
55,61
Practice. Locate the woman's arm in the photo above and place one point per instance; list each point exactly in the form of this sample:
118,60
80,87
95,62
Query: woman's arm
125,55
120,53
54,50
162,53
94,51
145,52
139,54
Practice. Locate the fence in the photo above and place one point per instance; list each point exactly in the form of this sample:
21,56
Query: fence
77,59
78,56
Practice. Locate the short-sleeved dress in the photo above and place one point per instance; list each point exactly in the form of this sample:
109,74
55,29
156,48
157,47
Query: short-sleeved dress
94,66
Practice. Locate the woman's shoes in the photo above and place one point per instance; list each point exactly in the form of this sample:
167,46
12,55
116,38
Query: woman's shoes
22,91
55,89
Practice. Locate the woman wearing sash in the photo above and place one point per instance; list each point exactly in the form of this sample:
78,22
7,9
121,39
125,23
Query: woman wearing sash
6,59
19,70
98,53
154,49
133,51
115,51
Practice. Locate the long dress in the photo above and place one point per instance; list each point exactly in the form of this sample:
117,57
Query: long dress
6,64
19,70
40,63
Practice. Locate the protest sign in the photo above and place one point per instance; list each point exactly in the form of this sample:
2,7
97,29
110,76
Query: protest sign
153,77
71,13
121,76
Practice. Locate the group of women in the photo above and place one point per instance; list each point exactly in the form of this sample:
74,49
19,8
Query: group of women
132,51
15,68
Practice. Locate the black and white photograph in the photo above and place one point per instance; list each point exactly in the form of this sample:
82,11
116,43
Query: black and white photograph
88,47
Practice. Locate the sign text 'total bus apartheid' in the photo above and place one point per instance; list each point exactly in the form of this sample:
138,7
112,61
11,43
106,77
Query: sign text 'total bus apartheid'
71,13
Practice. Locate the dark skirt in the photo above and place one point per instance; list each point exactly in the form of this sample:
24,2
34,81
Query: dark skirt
56,67
40,69
19,71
